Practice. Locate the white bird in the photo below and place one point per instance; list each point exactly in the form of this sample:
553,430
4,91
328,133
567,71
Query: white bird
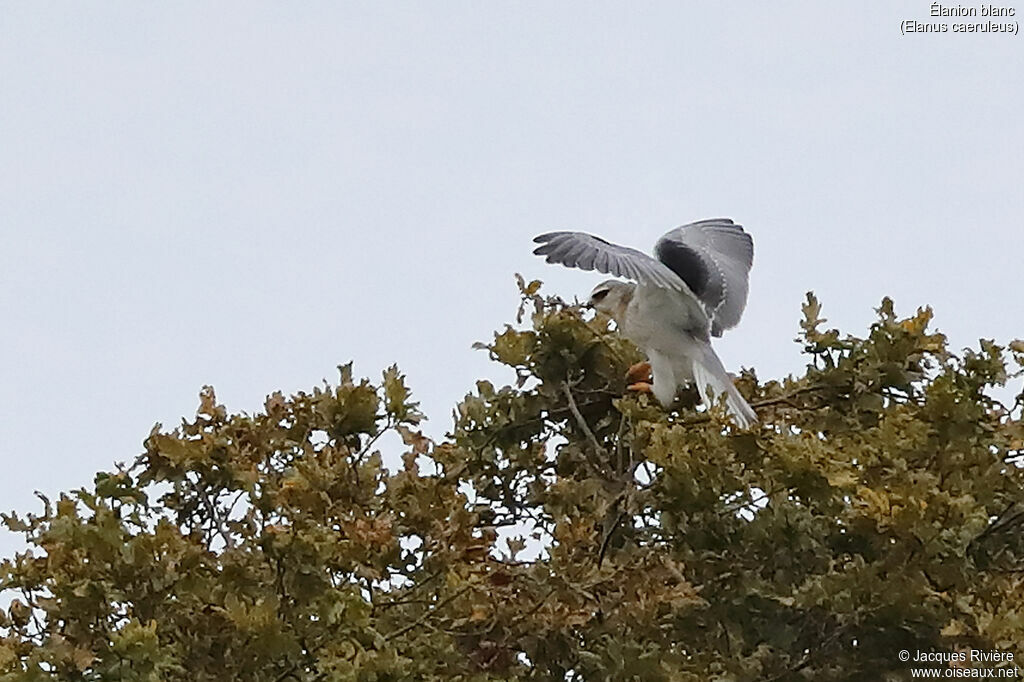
694,289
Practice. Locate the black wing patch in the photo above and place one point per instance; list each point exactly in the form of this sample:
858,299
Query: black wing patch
685,262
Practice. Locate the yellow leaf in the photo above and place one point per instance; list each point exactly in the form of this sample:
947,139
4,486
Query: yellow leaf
841,479
82,658
953,628
7,655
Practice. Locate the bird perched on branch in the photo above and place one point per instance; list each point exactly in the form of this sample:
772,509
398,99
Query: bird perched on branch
694,288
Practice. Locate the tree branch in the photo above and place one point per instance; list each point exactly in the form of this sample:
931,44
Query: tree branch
428,615
581,421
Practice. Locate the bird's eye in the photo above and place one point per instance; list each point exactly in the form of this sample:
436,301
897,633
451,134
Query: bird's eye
598,295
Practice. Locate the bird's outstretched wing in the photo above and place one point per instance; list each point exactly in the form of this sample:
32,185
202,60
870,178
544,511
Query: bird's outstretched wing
587,252
713,257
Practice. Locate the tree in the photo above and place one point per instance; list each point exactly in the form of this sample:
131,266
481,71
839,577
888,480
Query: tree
563,530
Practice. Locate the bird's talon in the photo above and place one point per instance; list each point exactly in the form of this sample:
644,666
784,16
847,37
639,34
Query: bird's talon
639,373
640,387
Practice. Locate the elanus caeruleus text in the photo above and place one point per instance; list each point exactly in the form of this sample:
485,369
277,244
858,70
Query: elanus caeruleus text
694,288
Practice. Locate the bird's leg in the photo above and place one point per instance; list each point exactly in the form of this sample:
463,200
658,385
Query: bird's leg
640,387
639,373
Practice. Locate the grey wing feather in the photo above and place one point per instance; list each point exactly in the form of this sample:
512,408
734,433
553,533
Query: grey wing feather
587,252
713,257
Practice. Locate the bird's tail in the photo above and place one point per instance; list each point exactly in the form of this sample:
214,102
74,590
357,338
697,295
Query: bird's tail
709,373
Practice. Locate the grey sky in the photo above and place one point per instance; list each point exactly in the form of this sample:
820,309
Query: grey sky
248,194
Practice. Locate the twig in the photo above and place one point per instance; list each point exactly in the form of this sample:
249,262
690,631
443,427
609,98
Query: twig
608,532
604,341
215,518
426,616
809,657
290,672
358,459
746,503
647,470
1002,521
786,398
623,468
581,421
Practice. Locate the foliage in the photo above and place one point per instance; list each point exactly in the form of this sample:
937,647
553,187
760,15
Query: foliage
563,530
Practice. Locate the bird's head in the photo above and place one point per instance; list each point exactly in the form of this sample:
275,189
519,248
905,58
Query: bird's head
611,298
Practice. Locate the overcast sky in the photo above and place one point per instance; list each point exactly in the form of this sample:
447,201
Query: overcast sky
248,194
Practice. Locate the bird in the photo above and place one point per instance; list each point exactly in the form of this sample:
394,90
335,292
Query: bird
693,288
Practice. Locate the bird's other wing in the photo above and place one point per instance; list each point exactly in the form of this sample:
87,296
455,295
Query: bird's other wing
587,252
713,257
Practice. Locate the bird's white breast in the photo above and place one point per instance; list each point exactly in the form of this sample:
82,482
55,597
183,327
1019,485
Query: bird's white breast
661,320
